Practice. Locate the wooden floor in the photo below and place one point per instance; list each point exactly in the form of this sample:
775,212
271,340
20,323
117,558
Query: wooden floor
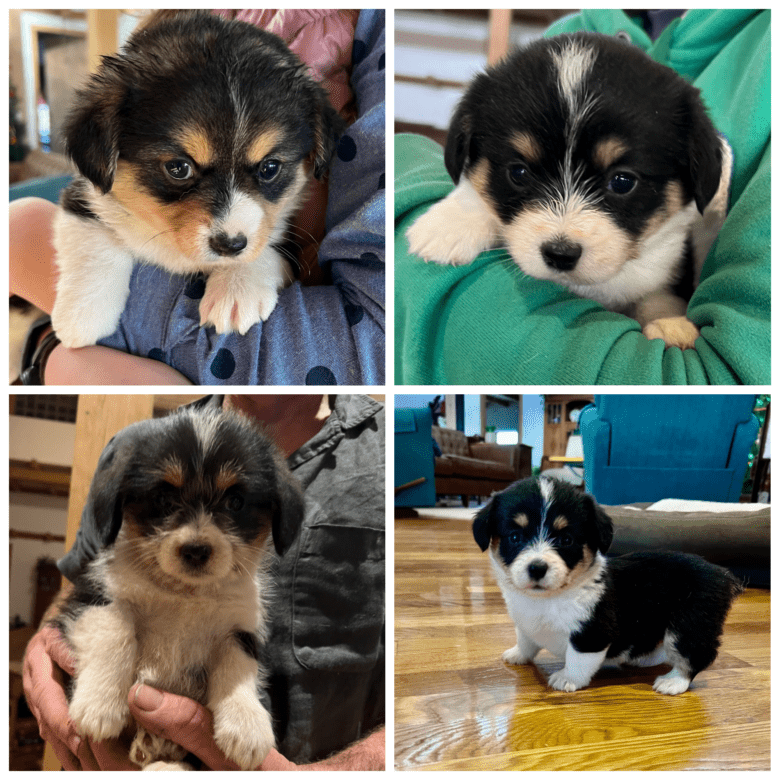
459,707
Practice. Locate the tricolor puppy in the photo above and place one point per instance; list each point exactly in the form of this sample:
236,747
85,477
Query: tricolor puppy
596,167
547,545
194,146
186,508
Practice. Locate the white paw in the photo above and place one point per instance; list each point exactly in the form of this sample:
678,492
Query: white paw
243,731
674,331
515,657
100,716
237,300
561,681
456,229
168,766
672,683
76,326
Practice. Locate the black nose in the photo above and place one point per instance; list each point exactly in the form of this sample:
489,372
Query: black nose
195,555
537,570
561,255
226,245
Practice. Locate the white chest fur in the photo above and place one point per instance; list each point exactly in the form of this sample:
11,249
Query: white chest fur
549,619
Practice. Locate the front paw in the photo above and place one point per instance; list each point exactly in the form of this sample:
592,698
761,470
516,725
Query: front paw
100,715
435,237
76,327
243,731
515,656
561,681
674,331
234,303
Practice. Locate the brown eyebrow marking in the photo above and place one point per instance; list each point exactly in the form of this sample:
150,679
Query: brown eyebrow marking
526,145
197,145
521,520
263,144
173,472
560,523
609,151
226,477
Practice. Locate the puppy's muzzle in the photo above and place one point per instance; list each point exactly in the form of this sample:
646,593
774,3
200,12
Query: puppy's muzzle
228,246
561,254
195,555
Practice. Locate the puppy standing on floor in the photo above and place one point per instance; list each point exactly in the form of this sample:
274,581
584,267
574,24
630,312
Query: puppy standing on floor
547,546
194,146
186,507
597,167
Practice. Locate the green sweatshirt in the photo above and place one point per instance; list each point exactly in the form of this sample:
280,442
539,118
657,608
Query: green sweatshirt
487,323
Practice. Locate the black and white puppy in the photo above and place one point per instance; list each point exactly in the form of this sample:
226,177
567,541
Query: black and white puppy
185,508
194,146
547,546
596,167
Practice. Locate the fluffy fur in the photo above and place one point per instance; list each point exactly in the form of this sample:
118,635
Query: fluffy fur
176,596
194,146
548,545
594,166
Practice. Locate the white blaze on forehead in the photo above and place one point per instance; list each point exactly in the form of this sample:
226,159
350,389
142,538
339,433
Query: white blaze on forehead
574,62
546,488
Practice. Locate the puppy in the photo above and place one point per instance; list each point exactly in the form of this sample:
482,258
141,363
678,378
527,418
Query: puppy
547,547
185,508
194,146
596,167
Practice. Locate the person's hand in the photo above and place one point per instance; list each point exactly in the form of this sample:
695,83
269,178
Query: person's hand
46,657
189,724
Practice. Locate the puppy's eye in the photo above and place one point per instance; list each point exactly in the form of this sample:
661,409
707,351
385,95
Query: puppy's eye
566,540
163,502
235,502
269,169
515,537
180,170
622,183
518,174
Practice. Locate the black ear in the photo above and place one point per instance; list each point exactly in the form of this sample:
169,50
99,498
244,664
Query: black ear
484,525
288,511
705,155
329,127
92,128
602,524
101,517
456,151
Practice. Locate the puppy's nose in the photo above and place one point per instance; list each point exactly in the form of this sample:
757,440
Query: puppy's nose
537,570
195,555
561,255
226,245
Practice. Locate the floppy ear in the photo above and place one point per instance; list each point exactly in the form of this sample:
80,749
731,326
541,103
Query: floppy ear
101,517
602,524
484,525
288,511
458,142
328,128
705,156
92,128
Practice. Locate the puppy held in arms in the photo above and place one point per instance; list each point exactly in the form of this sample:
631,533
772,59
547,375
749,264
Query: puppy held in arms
194,146
547,543
597,168
188,510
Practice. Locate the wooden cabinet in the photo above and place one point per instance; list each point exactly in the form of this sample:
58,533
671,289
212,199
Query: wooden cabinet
558,423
